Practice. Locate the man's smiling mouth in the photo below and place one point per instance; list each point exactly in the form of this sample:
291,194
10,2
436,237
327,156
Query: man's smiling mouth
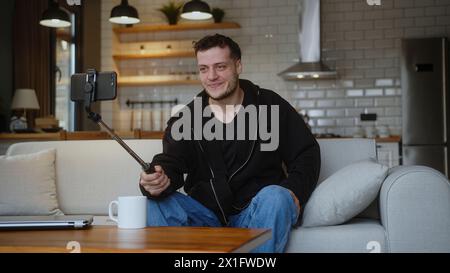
215,85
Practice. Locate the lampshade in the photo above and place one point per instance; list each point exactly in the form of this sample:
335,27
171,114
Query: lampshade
196,10
124,14
25,99
55,17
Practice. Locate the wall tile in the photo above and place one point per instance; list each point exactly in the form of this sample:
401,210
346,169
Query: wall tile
361,42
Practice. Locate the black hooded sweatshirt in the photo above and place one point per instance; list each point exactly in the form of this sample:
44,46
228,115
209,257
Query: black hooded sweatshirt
295,164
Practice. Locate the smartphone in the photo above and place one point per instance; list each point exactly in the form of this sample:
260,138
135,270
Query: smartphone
106,86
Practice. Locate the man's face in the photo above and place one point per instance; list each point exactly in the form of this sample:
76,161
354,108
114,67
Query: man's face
219,73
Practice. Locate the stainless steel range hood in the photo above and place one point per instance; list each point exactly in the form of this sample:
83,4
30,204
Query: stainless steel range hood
310,65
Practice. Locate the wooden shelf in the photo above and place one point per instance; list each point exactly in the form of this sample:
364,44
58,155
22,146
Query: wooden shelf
64,34
156,82
159,55
151,134
177,27
161,80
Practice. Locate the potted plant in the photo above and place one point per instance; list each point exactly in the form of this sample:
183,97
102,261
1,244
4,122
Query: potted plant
172,12
218,14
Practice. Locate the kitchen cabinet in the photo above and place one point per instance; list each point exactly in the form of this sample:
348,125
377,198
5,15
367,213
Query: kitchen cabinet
151,61
388,153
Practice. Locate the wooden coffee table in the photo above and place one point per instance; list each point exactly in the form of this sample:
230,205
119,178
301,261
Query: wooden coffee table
151,239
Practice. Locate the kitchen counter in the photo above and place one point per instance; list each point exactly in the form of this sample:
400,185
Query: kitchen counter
7,139
378,139
388,139
32,136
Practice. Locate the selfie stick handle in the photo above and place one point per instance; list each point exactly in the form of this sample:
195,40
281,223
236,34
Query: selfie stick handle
98,119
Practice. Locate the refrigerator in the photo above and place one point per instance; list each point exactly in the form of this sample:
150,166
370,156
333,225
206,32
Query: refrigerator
425,103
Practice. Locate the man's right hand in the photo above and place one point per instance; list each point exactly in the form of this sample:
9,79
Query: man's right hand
156,182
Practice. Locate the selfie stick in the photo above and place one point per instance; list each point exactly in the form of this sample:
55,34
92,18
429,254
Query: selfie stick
90,92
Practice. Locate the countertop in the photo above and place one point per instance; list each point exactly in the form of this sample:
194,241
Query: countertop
378,139
141,134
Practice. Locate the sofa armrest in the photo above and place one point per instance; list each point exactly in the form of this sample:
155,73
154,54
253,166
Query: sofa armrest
415,210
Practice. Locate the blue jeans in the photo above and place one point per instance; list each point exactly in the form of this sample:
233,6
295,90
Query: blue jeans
273,207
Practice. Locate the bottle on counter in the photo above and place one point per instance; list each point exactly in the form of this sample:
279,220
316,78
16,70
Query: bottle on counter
359,132
371,132
383,131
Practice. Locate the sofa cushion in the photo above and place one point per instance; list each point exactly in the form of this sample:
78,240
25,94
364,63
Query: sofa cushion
355,236
27,184
344,194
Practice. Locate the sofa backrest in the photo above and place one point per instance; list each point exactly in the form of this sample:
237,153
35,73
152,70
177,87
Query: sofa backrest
337,153
91,173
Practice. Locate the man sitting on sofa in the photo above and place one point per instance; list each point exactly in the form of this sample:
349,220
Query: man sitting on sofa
233,180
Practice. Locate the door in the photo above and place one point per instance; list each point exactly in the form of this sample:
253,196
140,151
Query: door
431,156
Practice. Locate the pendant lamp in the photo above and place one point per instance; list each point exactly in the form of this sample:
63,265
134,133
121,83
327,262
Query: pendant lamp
55,17
124,14
196,10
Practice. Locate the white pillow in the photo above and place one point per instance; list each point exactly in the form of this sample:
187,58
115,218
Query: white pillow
344,194
27,184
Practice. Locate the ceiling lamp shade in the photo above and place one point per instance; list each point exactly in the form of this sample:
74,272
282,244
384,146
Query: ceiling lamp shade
124,14
196,10
55,17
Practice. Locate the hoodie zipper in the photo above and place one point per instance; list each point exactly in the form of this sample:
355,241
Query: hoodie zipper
213,176
242,166
254,142
251,151
211,182
245,163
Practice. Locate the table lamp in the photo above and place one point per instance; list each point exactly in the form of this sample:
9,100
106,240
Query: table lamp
23,99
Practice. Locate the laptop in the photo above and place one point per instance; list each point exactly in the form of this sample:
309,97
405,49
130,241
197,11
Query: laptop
46,222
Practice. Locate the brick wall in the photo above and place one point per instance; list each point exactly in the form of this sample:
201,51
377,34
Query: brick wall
268,39
361,42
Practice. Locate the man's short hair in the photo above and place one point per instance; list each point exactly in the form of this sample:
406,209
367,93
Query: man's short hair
218,40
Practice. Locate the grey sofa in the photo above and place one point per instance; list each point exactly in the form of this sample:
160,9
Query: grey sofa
411,214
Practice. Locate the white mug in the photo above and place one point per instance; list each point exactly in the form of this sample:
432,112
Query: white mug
131,212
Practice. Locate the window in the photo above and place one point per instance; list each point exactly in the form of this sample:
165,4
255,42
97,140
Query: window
64,68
